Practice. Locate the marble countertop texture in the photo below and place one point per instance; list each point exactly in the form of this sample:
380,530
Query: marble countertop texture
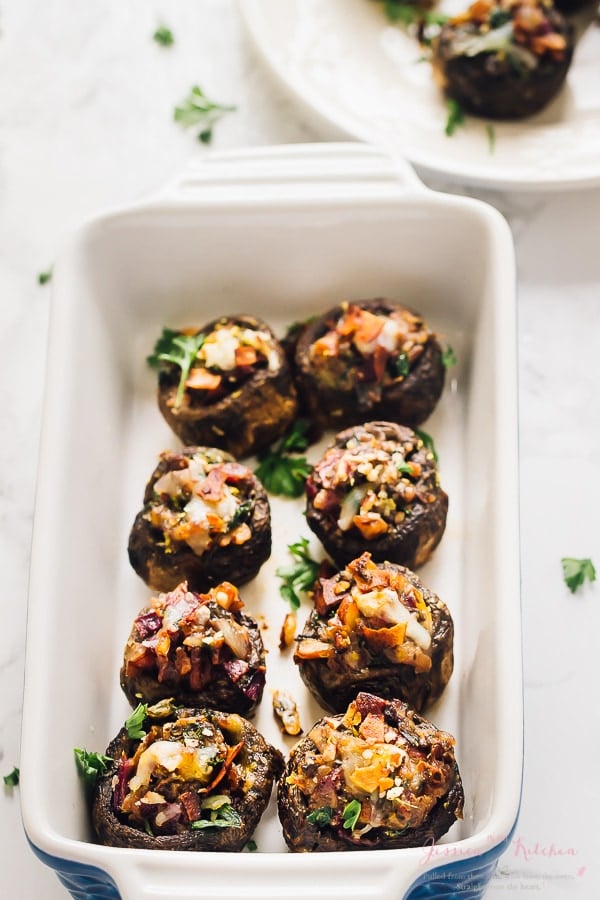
86,102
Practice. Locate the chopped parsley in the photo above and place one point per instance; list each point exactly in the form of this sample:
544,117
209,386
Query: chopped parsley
197,110
405,468
448,357
135,721
402,364
280,472
321,816
180,350
12,779
251,846
221,814
45,277
351,814
491,136
577,571
428,442
456,117
300,577
163,36
91,765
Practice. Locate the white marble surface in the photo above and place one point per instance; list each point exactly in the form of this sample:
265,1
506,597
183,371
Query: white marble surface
86,101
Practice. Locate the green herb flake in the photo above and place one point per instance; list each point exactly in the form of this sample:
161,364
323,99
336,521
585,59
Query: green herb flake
400,11
224,816
198,111
178,349
45,277
427,442
491,136
300,577
321,816
351,814
163,36
402,364
251,846
456,117
448,357
281,473
577,571
405,468
134,723
91,766
12,779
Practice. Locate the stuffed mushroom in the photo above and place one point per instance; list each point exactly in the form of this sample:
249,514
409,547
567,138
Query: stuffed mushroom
206,518
197,780
504,59
378,776
366,360
375,628
199,649
377,489
226,385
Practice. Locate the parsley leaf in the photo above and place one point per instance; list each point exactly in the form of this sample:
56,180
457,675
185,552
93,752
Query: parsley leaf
321,816
179,349
491,136
222,815
455,118
251,846
198,110
163,36
45,277
402,364
448,357
428,442
135,721
12,779
300,577
91,765
400,11
577,571
281,473
351,814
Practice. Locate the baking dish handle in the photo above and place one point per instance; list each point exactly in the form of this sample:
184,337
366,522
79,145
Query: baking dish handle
294,171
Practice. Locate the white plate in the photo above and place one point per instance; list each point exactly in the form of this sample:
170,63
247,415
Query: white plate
281,233
361,74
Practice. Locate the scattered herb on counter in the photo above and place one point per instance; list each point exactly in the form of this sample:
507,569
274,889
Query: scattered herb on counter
280,472
45,277
300,577
135,721
12,779
491,136
163,36
577,571
197,110
456,117
91,765
428,442
351,814
448,357
179,349
321,816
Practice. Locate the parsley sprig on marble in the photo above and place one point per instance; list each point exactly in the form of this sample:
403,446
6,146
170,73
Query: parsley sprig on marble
299,577
197,110
577,571
280,469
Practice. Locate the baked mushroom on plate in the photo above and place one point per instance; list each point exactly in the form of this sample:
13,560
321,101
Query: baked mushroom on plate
225,385
370,359
206,518
199,649
197,780
504,59
377,489
378,776
375,627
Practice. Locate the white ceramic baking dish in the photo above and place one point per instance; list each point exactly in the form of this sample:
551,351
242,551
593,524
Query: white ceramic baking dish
281,233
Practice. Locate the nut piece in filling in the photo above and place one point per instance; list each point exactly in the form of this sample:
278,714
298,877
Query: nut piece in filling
377,489
226,385
376,628
199,780
206,519
375,777
199,649
372,359
504,59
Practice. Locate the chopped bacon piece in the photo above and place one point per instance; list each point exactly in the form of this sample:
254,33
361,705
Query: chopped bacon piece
325,598
365,326
372,727
212,486
245,355
191,805
147,624
201,379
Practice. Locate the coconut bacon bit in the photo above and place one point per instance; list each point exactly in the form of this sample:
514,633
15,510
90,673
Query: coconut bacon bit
394,768
369,611
200,503
286,710
372,484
